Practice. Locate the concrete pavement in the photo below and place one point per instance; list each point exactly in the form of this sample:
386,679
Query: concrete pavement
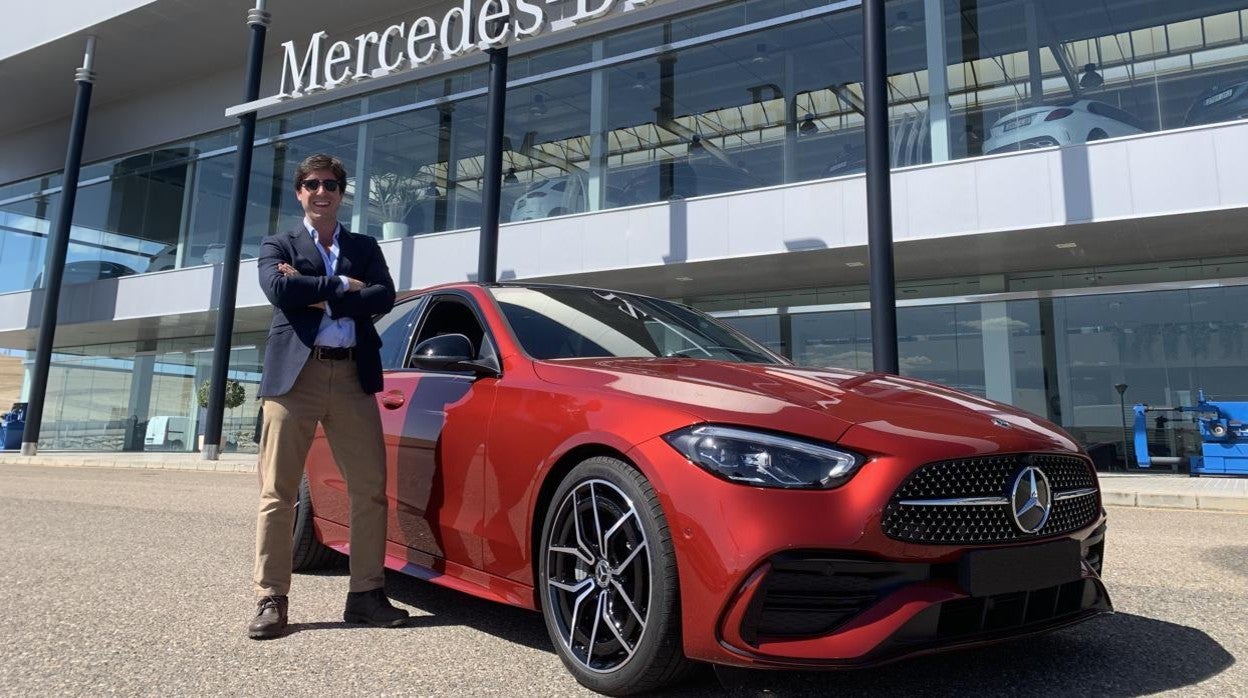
130,582
1155,490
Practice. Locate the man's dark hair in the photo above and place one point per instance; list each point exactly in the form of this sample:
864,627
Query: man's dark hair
321,161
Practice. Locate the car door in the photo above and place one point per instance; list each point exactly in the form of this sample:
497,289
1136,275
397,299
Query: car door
435,425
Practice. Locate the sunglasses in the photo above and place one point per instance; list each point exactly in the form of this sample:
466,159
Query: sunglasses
312,185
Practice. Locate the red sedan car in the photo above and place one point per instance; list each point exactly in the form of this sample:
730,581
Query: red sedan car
663,490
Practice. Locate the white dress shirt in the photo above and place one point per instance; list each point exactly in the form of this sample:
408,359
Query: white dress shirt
333,332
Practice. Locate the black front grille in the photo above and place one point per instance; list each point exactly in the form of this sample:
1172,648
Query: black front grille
969,617
815,593
908,517
807,595
981,618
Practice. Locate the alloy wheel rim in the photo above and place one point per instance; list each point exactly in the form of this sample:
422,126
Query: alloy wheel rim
598,576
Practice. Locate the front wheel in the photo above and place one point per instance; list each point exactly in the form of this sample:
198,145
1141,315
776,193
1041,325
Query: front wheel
309,553
607,581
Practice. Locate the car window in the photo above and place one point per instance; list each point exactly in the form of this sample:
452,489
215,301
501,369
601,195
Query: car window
451,315
1102,109
567,323
395,329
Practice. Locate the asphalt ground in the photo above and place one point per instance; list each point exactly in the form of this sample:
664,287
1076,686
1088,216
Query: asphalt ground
137,582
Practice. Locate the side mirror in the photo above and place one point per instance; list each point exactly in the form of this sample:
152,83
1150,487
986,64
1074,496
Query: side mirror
449,352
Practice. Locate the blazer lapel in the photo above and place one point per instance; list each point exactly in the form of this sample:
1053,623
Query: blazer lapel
346,252
305,247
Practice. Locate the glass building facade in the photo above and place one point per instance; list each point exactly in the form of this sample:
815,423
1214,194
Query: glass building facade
736,96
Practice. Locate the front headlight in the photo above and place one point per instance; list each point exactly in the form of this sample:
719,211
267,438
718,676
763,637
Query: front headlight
764,459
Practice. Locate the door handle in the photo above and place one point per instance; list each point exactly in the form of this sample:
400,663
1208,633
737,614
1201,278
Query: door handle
393,399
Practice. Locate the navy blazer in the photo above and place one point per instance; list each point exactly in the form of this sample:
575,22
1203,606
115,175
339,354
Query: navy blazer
295,324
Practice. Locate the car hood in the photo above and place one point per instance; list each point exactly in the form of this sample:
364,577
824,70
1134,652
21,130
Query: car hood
823,403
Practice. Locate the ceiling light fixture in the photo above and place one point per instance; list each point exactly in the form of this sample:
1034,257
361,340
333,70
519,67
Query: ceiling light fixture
1090,79
538,106
902,24
696,146
808,127
761,54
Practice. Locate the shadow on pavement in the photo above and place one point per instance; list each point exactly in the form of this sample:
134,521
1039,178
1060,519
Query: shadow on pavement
449,607
1230,557
1118,655
415,622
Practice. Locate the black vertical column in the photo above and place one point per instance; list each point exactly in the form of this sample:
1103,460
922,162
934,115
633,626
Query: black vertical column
58,248
1034,70
666,112
492,189
258,20
446,124
879,191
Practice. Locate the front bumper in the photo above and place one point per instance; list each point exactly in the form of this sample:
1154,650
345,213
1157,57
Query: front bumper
785,578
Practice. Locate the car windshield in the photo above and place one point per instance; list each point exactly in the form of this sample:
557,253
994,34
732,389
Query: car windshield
571,323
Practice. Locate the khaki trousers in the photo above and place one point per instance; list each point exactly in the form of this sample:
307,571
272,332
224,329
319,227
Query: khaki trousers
327,392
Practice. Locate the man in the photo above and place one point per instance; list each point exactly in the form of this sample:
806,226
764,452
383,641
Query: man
322,365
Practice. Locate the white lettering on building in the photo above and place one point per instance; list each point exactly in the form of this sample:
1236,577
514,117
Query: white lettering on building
469,25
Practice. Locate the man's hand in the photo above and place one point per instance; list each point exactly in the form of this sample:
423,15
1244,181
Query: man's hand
290,272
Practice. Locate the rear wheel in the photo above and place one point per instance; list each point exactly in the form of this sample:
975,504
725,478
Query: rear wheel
309,553
607,581
1097,134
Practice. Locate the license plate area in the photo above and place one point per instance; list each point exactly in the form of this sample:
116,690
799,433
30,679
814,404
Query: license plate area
1221,96
1025,568
1014,124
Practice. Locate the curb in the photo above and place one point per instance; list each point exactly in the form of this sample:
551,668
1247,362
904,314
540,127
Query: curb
1110,497
120,461
1175,500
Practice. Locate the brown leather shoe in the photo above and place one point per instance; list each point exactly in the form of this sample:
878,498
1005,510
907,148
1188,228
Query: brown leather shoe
373,608
270,620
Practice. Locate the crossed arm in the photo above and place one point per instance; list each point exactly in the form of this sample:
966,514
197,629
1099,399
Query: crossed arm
286,288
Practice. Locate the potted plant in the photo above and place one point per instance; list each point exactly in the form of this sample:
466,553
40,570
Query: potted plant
235,395
394,194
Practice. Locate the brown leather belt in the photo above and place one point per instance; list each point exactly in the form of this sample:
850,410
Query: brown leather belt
333,353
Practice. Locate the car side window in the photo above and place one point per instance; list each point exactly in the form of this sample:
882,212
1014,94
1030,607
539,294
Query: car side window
395,328
1102,109
448,315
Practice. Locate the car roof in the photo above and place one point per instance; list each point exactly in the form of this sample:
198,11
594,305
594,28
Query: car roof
466,285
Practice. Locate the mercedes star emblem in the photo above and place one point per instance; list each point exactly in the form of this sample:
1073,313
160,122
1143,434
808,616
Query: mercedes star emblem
1032,499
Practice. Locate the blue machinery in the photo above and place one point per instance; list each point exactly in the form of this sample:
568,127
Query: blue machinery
1223,436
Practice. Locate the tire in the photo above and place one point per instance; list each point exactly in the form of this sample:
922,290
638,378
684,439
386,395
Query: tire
175,445
1097,134
633,587
309,553
557,211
